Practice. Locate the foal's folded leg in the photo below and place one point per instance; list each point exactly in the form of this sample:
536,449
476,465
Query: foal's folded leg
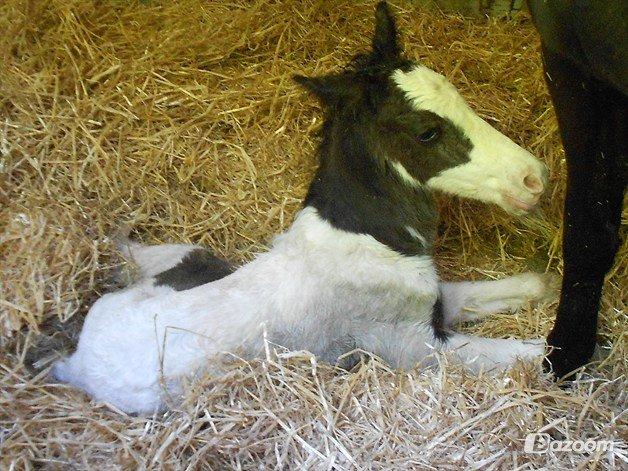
472,300
485,354
180,266
406,344
154,259
401,344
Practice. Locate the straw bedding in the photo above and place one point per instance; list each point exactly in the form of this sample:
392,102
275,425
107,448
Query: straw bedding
180,120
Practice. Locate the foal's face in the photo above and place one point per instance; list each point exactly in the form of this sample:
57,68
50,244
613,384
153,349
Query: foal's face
448,147
415,120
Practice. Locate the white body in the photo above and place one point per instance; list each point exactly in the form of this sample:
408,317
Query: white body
315,289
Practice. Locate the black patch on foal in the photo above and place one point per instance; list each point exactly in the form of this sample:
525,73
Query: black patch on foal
438,320
197,268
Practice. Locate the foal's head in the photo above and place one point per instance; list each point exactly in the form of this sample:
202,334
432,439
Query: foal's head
385,112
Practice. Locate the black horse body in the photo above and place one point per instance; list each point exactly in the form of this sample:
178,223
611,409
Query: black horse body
585,54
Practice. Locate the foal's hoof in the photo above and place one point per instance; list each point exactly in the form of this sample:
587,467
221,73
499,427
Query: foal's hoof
552,283
536,287
545,287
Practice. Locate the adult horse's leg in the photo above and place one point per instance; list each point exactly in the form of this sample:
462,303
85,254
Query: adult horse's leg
592,121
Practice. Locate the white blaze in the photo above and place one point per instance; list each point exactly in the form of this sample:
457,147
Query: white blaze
497,166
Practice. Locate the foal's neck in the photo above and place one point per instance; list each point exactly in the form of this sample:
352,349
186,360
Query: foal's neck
358,192
345,259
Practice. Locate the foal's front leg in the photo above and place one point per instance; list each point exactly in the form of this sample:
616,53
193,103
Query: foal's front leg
406,344
486,354
468,301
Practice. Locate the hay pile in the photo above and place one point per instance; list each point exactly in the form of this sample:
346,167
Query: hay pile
180,118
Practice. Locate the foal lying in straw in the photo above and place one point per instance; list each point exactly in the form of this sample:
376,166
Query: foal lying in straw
355,270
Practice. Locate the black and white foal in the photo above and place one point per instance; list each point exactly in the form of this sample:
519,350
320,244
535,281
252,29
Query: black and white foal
354,270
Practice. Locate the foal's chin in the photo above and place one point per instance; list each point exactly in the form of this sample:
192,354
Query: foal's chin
518,210
512,200
518,206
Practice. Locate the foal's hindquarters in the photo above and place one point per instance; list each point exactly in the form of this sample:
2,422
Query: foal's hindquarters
318,289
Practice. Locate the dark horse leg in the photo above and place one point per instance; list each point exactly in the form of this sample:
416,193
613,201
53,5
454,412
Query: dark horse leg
593,128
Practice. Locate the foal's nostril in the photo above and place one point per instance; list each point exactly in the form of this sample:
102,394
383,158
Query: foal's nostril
533,184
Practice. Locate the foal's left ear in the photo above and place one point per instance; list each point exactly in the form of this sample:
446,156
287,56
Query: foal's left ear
329,89
385,46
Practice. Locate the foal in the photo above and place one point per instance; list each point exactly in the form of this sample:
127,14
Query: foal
355,270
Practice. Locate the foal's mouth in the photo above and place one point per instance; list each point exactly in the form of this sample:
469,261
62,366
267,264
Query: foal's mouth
520,205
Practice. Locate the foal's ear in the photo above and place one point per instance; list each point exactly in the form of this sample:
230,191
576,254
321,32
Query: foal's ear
385,46
328,89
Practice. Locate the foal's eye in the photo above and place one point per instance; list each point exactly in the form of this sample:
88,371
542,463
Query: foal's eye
429,135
